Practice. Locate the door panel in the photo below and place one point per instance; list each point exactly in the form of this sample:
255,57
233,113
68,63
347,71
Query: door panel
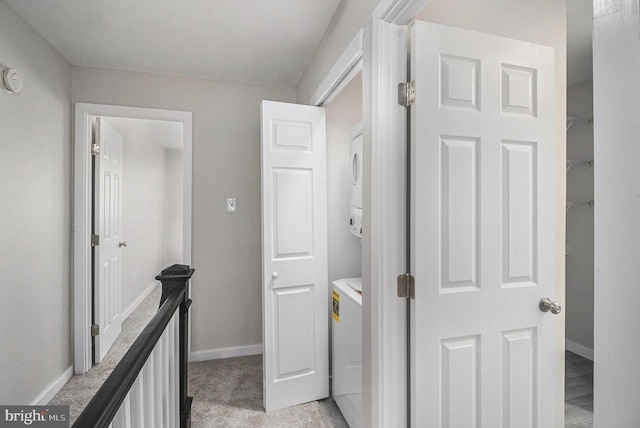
519,377
483,230
519,168
294,255
107,220
459,188
293,310
293,212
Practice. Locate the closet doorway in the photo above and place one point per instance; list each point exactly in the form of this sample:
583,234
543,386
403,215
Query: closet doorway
579,274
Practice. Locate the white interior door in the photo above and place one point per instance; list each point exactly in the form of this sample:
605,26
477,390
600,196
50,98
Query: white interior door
294,255
107,213
483,231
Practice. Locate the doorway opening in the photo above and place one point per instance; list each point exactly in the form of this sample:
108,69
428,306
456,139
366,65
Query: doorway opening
344,206
161,177
294,194
147,207
579,253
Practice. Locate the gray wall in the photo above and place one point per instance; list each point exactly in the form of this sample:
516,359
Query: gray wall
579,302
226,290
35,215
350,16
616,94
173,225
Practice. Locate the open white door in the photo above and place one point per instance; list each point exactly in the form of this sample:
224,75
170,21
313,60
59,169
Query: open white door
107,212
295,297
483,231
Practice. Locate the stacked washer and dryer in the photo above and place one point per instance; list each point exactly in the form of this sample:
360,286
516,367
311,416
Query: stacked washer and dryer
347,309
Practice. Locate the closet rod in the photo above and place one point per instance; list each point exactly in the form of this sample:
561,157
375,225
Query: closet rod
573,204
571,163
573,120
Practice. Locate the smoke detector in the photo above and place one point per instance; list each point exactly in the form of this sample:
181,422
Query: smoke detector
10,80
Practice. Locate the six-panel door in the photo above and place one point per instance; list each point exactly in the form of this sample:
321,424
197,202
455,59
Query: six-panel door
108,223
294,255
483,230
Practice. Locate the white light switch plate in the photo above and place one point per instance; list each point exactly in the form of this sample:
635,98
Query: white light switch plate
231,205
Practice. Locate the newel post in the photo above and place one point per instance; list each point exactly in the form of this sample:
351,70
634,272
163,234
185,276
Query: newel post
175,279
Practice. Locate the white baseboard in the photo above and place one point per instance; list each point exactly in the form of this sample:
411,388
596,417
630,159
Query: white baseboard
576,348
53,388
141,297
217,354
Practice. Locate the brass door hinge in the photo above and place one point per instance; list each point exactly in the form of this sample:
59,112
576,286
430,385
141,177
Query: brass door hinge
95,330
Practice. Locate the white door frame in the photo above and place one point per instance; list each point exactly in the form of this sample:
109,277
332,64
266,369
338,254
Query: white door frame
384,182
82,298
385,212
384,314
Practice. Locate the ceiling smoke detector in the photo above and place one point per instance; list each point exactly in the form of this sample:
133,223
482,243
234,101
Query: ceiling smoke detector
11,80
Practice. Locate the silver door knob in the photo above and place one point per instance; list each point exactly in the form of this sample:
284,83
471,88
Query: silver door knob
274,275
547,305
122,244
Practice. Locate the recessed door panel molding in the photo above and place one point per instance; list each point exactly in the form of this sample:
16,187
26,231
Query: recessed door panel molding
294,345
459,387
519,217
105,313
460,196
112,269
293,212
117,198
483,230
460,82
107,205
292,135
519,90
295,282
519,389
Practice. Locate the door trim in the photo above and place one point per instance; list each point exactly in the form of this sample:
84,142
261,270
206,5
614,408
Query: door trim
82,299
343,71
385,398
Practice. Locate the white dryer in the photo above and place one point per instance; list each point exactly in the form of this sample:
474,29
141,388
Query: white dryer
347,349
355,194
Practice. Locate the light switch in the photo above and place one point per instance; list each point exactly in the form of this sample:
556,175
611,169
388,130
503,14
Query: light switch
231,205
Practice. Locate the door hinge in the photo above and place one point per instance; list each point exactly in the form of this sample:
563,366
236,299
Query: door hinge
95,330
406,286
95,149
406,93
95,240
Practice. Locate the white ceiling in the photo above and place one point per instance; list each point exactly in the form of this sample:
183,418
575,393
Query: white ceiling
265,42
165,133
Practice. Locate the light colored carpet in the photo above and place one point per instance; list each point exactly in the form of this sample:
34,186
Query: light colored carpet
226,393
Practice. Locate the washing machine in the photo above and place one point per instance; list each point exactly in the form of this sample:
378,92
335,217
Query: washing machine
347,349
